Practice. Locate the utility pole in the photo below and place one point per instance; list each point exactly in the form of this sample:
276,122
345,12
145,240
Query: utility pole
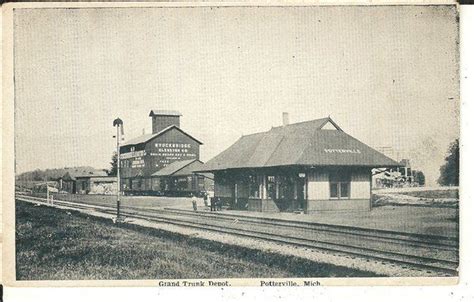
119,124
47,193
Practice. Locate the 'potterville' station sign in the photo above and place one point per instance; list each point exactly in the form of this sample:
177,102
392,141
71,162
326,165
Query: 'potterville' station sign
356,151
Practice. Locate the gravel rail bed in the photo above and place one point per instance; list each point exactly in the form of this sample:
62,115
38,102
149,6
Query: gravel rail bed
340,245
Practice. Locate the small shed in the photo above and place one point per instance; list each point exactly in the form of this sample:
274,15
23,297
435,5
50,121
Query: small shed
178,178
78,181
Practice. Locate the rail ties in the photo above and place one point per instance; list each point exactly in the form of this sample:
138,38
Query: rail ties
434,240
172,216
445,266
437,241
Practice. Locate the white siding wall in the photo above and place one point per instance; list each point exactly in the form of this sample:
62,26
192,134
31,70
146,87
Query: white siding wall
318,185
360,185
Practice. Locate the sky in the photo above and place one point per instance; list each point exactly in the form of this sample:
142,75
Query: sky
387,75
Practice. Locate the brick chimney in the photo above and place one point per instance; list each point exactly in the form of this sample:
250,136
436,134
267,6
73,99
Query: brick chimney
162,119
286,119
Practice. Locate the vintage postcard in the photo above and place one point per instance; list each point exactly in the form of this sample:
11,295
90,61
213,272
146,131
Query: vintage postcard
226,144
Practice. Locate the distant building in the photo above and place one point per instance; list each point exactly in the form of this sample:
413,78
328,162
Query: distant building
79,181
168,147
103,185
402,176
310,166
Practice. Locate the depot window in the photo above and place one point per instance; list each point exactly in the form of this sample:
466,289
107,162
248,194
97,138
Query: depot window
254,186
339,185
271,187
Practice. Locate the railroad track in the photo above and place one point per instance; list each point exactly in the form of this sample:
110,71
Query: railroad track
220,223
422,240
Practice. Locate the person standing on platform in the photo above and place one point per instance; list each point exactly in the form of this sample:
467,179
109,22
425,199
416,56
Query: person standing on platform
206,200
194,201
213,204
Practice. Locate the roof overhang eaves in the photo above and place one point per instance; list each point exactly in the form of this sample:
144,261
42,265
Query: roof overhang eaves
372,166
143,142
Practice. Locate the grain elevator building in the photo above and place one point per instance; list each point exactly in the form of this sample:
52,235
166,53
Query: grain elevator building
168,145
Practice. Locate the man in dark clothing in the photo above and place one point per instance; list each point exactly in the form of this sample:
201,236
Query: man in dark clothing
206,200
213,204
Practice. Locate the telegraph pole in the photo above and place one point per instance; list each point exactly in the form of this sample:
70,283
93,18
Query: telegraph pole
119,124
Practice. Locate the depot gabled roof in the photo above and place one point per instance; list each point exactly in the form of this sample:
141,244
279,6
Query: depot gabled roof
179,168
307,144
147,137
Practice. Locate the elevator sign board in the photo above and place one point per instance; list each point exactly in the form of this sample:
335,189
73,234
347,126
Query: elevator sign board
169,152
145,155
172,147
132,154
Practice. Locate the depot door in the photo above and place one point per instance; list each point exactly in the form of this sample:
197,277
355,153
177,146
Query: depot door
300,192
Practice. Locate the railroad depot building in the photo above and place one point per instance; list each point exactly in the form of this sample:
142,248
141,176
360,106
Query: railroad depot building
310,166
168,147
